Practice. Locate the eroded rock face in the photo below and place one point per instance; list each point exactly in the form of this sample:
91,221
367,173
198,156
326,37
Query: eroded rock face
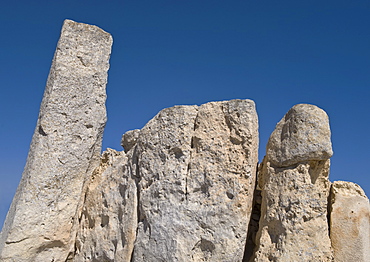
197,171
349,222
294,182
129,139
108,221
41,223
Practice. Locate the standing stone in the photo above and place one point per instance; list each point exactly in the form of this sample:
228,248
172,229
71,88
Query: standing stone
196,168
221,180
349,222
295,188
42,221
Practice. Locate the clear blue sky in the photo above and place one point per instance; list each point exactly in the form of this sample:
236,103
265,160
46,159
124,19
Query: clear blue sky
165,53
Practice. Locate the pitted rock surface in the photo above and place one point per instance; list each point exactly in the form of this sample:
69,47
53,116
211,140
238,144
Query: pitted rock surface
42,221
184,188
197,171
294,181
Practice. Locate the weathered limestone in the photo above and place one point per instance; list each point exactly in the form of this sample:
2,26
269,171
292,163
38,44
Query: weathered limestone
349,222
295,187
129,139
302,135
41,223
184,186
108,221
196,168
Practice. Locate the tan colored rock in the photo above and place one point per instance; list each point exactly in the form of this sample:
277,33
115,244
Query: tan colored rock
42,221
197,169
302,135
108,220
293,224
349,222
183,188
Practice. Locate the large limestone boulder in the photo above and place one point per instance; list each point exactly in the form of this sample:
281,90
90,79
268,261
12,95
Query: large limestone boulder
294,182
42,221
349,222
196,168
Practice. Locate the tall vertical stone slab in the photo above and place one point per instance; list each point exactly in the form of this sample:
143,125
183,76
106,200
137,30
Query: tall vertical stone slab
295,187
349,222
41,223
221,179
196,168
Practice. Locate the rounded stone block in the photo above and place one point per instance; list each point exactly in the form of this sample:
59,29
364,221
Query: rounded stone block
302,135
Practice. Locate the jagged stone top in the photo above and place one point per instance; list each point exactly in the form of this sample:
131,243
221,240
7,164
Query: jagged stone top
303,134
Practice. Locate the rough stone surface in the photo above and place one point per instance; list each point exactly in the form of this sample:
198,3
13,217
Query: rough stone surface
197,170
349,222
302,135
41,223
129,139
108,220
293,224
184,187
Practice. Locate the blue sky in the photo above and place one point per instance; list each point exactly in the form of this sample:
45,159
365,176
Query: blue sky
165,53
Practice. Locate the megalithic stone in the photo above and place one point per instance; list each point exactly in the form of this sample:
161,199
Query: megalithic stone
295,187
41,223
196,168
349,222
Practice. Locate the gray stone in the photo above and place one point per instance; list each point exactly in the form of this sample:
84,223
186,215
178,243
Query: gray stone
129,139
349,222
197,170
42,221
108,221
302,135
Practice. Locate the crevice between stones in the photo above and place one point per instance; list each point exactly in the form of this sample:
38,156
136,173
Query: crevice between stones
329,208
90,173
253,225
192,146
135,174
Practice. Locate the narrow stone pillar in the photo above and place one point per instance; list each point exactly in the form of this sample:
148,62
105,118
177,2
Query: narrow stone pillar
295,187
41,223
349,222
